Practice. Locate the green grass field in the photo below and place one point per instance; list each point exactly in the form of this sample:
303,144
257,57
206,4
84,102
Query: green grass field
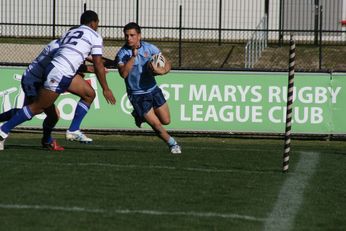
134,183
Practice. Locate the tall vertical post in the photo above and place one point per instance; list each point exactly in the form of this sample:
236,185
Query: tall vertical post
220,21
53,15
137,11
287,147
266,12
85,7
317,3
281,22
180,33
320,43
266,8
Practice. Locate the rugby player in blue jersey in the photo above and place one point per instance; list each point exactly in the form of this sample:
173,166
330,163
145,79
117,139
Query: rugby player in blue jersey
149,104
76,45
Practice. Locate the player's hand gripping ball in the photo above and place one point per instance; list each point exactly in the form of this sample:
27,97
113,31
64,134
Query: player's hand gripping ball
158,64
158,60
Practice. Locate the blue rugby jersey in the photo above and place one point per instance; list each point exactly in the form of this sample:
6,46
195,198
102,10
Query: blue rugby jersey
140,79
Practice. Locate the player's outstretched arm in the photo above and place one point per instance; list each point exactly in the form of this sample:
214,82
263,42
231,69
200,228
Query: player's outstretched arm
84,68
101,76
109,63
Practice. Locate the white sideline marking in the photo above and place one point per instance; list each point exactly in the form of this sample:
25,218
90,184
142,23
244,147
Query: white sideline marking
133,166
127,211
209,170
292,192
199,147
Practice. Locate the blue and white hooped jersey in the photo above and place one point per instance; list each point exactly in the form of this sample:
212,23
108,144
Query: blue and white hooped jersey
36,69
75,46
140,79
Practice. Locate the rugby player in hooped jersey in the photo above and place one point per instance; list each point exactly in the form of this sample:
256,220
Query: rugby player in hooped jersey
76,45
145,96
31,82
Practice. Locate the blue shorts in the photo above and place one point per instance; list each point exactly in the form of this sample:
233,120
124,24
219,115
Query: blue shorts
144,102
31,85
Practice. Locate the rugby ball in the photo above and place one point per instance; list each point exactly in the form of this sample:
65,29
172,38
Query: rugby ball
158,60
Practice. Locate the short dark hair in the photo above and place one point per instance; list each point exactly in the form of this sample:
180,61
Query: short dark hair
132,25
73,27
88,16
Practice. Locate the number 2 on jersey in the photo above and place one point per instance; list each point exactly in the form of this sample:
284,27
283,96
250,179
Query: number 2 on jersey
72,39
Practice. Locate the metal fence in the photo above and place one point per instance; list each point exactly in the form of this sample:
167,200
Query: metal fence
200,34
256,44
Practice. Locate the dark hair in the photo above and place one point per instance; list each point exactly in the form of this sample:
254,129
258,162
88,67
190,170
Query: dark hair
88,16
73,27
132,25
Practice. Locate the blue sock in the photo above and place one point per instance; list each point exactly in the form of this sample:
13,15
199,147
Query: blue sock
171,142
21,116
80,112
7,115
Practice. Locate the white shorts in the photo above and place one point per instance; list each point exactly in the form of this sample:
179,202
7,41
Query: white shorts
56,81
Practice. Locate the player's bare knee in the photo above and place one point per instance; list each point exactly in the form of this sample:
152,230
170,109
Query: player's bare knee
166,121
89,96
92,94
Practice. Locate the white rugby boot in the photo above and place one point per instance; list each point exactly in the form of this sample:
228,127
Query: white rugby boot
2,143
3,137
175,149
77,136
